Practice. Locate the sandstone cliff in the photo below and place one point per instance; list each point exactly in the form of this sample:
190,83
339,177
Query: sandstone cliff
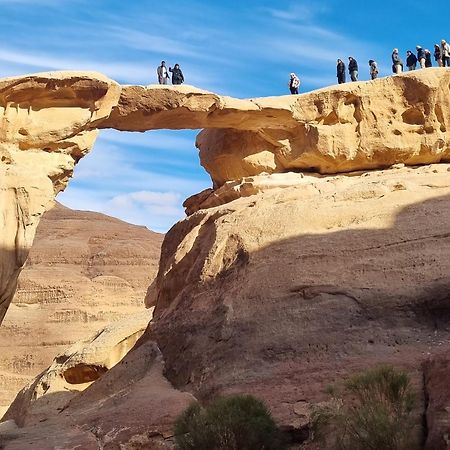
50,121
85,271
278,284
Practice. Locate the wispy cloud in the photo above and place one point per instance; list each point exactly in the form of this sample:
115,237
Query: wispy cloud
298,12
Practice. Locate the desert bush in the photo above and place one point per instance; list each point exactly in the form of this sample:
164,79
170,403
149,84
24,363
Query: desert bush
229,423
372,412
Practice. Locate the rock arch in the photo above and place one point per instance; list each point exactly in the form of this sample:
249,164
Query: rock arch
49,121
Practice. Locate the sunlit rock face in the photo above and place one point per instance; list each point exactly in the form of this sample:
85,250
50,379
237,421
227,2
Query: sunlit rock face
85,270
50,121
44,131
277,283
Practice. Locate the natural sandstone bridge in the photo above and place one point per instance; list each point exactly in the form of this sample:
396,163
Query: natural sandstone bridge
51,120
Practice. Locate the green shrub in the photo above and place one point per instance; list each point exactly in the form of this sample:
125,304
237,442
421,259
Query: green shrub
230,423
373,413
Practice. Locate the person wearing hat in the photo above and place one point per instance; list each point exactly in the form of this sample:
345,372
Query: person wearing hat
445,53
294,83
397,63
421,56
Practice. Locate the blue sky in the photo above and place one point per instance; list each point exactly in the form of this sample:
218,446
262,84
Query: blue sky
239,48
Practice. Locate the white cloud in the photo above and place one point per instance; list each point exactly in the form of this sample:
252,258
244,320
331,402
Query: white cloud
298,12
158,211
167,204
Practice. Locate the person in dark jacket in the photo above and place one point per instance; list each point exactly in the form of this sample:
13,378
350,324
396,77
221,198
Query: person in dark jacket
177,74
340,71
428,62
411,60
353,68
421,56
397,63
437,54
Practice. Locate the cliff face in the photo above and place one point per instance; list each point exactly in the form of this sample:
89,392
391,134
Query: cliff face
50,121
289,290
43,134
277,283
84,271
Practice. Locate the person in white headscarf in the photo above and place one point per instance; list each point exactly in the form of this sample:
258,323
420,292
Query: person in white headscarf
294,83
445,53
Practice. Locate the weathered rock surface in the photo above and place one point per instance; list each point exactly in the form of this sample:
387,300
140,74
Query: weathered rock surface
131,405
50,121
286,282
44,132
85,270
286,291
437,392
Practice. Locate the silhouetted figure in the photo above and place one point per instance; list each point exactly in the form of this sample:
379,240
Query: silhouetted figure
162,73
340,71
177,74
294,83
353,68
411,60
437,54
421,56
373,69
445,53
397,63
428,62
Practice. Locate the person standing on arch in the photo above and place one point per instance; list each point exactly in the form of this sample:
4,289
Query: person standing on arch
340,71
421,57
397,63
373,69
428,62
411,60
445,53
177,74
162,73
294,83
437,54
353,68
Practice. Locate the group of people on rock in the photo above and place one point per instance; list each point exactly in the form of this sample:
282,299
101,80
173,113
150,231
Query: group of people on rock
422,58
163,74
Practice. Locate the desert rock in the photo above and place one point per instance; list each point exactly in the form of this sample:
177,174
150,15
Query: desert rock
130,406
286,291
44,133
51,120
84,271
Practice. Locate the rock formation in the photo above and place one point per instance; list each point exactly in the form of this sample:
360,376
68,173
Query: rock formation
85,271
51,120
277,283
44,132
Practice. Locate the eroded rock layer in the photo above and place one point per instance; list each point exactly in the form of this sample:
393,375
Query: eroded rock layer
44,131
49,121
84,271
289,290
